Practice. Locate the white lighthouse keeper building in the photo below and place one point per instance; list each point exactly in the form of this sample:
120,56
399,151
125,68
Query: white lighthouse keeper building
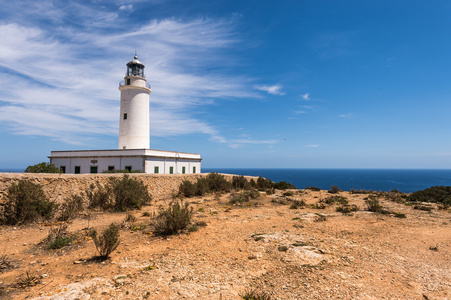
133,153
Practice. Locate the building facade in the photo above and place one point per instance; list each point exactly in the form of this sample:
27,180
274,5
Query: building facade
133,153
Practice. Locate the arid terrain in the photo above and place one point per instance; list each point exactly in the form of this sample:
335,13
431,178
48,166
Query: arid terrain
264,245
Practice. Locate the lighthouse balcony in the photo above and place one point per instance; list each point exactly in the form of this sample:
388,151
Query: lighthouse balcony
124,83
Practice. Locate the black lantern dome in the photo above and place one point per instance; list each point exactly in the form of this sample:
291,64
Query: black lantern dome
135,68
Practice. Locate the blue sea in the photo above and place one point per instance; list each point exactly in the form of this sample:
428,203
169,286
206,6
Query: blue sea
405,180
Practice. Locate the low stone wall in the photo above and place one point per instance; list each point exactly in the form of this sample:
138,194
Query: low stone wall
60,186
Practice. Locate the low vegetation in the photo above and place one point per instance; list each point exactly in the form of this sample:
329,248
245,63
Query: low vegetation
71,208
43,167
106,242
255,294
435,194
26,202
176,217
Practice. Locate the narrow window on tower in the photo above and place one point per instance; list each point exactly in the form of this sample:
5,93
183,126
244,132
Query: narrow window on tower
128,81
125,116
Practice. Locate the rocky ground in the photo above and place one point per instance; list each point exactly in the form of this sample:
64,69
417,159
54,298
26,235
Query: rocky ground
264,246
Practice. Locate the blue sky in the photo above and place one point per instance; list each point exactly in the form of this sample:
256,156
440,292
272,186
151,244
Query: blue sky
262,84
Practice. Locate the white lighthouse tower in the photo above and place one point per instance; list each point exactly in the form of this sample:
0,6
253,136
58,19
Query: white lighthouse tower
134,153
134,116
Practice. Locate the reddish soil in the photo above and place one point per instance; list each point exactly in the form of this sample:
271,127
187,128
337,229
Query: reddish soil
287,253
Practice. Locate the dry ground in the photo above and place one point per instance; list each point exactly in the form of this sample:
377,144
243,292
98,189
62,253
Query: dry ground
360,256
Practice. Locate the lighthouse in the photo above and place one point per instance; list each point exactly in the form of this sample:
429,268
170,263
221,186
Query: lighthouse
134,153
134,113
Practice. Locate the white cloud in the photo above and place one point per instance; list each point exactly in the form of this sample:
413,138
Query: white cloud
300,112
270,89
66,79
347,115
312,146
306,96
126,7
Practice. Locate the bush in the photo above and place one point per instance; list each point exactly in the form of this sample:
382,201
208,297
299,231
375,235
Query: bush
107,242
71,208
26,202
128,193
297,204
373,204
335,200
255,294
334,190
283,185
175,217
187,189
218,183
436,194
244,196
42,168
58,237
120,194
263,183
346,209
99,195
312,188
288,194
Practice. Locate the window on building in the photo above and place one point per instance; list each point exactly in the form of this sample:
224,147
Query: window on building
110,168
93,169
183,170
125,116
128,168
171,170
156,170
63,169
128,81
77,170
194,170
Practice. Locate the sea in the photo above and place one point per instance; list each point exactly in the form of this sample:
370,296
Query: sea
403,180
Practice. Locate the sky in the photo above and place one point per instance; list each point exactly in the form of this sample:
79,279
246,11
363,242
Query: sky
247,84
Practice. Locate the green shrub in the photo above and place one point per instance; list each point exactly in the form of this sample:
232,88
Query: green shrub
42,168
26,202
346,209
244,196
335,200
202,187
187,189
297,204
239,182
218,183
263,183
58,237
71,208
312,188
373,204
99,196
436,194
129,193
175,217
334,190
107,242
288,194
283,185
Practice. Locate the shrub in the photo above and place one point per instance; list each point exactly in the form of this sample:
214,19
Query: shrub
288,194
283,185
373,204
28,279
244,196
99,195
346,209
71,208
187,189
42,168
193,228
218,183
423,207
175,217
128,193
335,200
202,187
6,262
26,202
240,183
58,237
107,242
282,248
297,204
312,188
263,183
436,194
255,294
334,190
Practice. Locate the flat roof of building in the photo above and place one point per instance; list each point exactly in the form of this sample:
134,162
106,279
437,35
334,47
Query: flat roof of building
123,153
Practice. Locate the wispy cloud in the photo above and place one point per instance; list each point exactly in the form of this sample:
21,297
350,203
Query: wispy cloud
300,112
347,115
67,78
306,96
312,146
270,89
